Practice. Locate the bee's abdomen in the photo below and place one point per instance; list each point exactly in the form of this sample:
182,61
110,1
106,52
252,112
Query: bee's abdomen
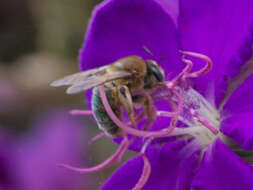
104,121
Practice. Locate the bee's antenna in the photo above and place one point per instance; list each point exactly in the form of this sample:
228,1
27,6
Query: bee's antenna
148,51
161,59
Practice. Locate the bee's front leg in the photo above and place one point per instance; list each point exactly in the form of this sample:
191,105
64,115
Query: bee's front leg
150,111
126,101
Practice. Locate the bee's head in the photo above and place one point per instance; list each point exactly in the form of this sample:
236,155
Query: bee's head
155,73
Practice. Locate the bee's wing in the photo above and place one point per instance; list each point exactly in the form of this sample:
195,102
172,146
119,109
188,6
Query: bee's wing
88,79
77,77
96,80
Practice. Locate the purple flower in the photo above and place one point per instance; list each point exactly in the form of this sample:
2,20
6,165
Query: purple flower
31,162
215,109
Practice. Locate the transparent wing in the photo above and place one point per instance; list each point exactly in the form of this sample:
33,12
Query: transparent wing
96,80
82,81
77,77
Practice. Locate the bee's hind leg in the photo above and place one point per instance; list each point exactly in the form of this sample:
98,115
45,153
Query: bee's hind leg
126,101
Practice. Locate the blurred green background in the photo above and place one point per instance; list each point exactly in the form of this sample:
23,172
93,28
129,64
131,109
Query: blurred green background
39,42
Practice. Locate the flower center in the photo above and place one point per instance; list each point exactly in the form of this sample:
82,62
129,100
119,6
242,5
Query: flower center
201,118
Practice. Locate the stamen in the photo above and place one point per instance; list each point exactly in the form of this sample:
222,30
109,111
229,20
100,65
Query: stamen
146,167
186,70
202,71
204,122
185,131
126,147
145,173
96,137
166,114
112,159
81,112
177,110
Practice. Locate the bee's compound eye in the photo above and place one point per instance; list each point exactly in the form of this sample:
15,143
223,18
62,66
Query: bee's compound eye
155,70
157,73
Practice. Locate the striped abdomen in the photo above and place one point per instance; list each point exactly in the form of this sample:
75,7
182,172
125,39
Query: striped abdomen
104,121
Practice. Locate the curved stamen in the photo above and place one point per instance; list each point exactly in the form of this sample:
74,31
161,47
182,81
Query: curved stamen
145,173
177,110
96,137
186,70
202,71
81,112
112,159
146,167
166,114
126,147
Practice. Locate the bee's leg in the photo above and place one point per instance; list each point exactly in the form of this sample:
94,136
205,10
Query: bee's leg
150,111
138,101
126,101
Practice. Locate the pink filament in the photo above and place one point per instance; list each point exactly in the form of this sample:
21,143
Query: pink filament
112,159
96,137
81,112
189,65
145,173
202,71
177,110
126,147
203,121
146,167
166,114
186,70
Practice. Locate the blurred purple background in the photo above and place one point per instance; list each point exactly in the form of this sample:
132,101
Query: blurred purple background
39,43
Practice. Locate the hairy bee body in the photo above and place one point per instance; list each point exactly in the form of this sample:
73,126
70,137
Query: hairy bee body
135,83
104,121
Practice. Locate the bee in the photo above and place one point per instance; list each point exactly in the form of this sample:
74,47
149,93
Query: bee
127,83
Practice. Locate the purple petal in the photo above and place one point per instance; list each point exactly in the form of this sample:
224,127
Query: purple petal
221,169
237,115
166,170
239,128
241,99
217,29
172,8
119,28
